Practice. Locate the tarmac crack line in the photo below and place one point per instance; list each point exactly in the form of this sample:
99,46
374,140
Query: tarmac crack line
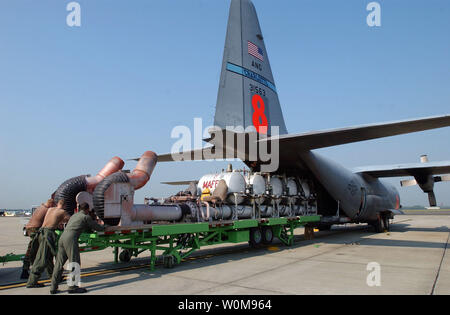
232,283
361,263
360,239
220,285
440,266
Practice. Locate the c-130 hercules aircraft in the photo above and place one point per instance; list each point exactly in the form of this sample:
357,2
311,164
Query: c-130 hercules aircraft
298,184
247,90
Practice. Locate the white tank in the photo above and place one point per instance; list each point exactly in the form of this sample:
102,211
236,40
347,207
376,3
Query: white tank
259,184
234,180
208,181
305,188
266,211
277,186
292,186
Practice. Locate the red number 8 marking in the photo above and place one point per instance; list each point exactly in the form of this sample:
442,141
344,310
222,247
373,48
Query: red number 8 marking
259,118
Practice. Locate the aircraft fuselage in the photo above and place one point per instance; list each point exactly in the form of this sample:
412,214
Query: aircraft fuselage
362,198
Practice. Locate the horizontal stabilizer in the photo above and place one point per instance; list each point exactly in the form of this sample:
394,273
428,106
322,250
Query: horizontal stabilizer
180,183
193,155
205,154
413,169
333,137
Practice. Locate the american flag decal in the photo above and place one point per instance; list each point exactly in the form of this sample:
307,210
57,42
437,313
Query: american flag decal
255,51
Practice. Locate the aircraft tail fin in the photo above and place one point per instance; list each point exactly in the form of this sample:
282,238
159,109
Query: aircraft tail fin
247,94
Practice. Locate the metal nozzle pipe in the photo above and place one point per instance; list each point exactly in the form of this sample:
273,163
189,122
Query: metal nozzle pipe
113,166
71,187
144,169
155,213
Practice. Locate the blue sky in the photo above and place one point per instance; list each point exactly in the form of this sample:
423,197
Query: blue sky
72,98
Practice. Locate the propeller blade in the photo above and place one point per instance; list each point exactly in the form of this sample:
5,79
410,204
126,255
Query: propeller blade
408,182
445,178
432,199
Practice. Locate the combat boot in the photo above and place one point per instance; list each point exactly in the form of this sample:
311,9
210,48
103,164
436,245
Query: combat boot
76,290
25,274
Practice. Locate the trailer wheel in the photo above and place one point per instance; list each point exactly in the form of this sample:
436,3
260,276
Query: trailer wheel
324,227
255,237
169,261
267,235
125,256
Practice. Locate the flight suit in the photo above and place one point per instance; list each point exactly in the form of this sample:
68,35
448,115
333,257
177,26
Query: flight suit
68,243
32,249
44,256
32,229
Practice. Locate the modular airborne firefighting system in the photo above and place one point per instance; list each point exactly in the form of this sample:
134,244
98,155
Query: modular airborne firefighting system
254,204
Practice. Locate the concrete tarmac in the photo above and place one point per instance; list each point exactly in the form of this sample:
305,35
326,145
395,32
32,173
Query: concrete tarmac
413,259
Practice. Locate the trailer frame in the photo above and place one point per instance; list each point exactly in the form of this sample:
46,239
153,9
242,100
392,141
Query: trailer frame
181,240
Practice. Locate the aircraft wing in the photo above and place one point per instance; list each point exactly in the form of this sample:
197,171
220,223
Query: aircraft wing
423,174
401,170
333,137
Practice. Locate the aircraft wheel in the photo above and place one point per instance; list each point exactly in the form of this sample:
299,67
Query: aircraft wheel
387,224
379,225
267,235
255,237
125,256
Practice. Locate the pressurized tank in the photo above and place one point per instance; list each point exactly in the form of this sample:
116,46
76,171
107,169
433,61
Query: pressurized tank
292,187
305,188
234,180
259,184
277,186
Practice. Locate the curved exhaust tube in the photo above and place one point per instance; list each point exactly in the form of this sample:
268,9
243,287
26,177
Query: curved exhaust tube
137,178
69,189
113,166
144,169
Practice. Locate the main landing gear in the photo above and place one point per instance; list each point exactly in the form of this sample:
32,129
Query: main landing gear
382,224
